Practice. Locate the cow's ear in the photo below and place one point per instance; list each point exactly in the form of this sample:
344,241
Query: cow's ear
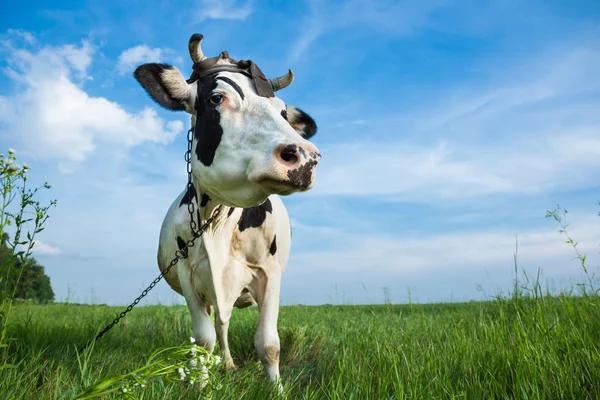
165,85
301,122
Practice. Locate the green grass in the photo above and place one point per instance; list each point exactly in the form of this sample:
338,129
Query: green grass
530,348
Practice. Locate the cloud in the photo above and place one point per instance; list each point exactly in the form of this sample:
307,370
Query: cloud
565,160
116,175
28,37
535,133
134,56
398,18
440,251
42,248
225,9
68,123
440,265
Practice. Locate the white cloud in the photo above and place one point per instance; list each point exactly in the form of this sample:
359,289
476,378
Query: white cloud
311,33
134,56
400,18
538,134
42,248
566,160
441,265
53,117
121,175
225,9
28,37
436,252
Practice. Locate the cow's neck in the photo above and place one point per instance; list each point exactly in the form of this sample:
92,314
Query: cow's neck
206,202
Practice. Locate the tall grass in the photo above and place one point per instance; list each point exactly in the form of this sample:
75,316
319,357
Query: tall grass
536,348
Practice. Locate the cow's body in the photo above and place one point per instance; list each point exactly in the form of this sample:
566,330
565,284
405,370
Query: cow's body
247,147
242,252
254,236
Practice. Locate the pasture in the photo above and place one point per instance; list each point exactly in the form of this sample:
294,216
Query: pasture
535,347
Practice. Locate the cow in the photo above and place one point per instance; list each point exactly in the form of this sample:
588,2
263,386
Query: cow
248,147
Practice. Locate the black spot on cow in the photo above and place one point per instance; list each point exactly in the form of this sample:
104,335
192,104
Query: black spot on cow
254,217
302,151
273,248
231,210
208,131
205,200
190,194
284,114
181,244
309,126
301,176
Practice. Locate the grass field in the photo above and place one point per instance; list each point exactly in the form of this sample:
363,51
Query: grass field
530,348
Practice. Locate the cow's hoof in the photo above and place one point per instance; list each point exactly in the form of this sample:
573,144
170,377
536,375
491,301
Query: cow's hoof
229,364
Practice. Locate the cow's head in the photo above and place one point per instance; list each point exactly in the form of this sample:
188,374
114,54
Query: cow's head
247,143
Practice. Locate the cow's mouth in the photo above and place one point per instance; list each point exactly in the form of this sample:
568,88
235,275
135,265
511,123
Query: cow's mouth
283,188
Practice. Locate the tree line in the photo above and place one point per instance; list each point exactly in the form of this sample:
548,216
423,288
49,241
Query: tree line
33,284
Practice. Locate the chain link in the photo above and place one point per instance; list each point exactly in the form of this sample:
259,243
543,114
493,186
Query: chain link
179,254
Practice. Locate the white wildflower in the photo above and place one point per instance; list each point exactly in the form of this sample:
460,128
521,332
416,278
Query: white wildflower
8,161
182,374
193,340
26,166
11,151
217,360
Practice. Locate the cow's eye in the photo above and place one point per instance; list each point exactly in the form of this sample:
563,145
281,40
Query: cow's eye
215,99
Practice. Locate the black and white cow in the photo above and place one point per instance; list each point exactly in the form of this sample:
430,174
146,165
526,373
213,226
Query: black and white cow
248,147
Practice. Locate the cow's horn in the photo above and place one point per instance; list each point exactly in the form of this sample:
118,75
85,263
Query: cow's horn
281,81
195,48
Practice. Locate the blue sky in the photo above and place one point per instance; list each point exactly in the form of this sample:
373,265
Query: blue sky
447,130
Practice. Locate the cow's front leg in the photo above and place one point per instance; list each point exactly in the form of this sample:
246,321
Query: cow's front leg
266,340
202,329
222,317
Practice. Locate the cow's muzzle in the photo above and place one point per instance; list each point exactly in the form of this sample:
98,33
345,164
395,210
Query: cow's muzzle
295,168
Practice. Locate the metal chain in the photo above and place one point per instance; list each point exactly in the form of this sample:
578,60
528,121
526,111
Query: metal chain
179,254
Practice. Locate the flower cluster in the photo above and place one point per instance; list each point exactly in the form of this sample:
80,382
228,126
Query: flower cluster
9,165
198,365
189,363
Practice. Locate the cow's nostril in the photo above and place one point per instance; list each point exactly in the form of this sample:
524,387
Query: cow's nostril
288,155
